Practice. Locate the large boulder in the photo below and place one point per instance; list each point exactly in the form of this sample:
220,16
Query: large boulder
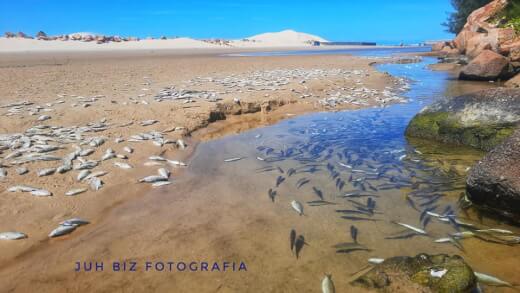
514,82
494,182
481,120
422,273
488,65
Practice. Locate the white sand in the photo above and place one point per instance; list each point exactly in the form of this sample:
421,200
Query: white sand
30,45
287,39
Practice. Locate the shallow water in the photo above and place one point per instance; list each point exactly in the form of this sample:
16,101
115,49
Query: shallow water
367,174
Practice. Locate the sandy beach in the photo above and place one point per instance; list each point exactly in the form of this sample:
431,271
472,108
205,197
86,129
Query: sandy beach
113,97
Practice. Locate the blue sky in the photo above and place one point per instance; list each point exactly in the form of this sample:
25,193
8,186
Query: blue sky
347,20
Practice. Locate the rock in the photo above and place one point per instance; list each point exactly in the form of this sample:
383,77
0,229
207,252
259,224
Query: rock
422,273
477,44
9,35
481,120
488,65
41,36
438,46
494,182
22,35
87,38
513,82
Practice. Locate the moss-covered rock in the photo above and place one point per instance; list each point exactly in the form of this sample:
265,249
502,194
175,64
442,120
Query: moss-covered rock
481,120
422,273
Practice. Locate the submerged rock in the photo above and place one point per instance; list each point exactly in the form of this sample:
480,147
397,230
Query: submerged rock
422,273
481,120
494,182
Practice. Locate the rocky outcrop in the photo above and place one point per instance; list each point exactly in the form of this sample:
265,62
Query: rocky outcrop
487,66
422,273
485,32
481,120
494,182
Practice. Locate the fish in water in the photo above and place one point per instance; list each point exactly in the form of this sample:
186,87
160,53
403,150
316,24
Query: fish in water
298,245
12,235
62,230
233,159
349,250
279,180
359,219
292,238
302,182
415,229
327,286
490,280
318,192
316,203
354,233
297,206
272,194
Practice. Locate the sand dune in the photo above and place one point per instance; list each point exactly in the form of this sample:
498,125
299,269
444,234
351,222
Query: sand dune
286,38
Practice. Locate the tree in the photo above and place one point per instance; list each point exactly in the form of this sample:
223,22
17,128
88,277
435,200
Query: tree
463,9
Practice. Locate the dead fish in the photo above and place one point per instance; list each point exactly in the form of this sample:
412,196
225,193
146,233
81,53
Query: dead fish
297,206
292,239
95,183
64,168
86,152
181,144
352,218
109,154
122,165
316,203
46,172
74,222
3,173
74,192
490,280
177,163
298,245
148,122
352,250
353,233
302,182
318,192
82,175
415,229
152,179
161,183
376,260
97,141
164,173
21,188
128,149
157,158
96,174
41,193
233,159
279,180
272,194
19,171
121,156
12,235
327,286
61,230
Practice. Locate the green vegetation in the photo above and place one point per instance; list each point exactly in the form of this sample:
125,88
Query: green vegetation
463,9
510,16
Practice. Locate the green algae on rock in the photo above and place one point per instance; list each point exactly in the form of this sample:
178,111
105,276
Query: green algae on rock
422,273
481,120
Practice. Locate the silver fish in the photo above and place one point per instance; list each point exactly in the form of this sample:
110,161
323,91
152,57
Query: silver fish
41,193
82,175
376,260
128,149
12,235
490,280
152,179
232,159
74,192
109,154
164,173
61,230
123,165
75,222
64,168
3,172
21,188
157,158
21,171
415,229
161,183
95,183
177,163
297,206
86,152
46,172
327,286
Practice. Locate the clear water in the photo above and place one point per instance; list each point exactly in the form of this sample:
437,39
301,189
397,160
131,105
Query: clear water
372,52
355,168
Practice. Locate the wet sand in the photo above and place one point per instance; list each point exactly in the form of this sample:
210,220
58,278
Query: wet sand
185,221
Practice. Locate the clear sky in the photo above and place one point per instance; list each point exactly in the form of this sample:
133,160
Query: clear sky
338,20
